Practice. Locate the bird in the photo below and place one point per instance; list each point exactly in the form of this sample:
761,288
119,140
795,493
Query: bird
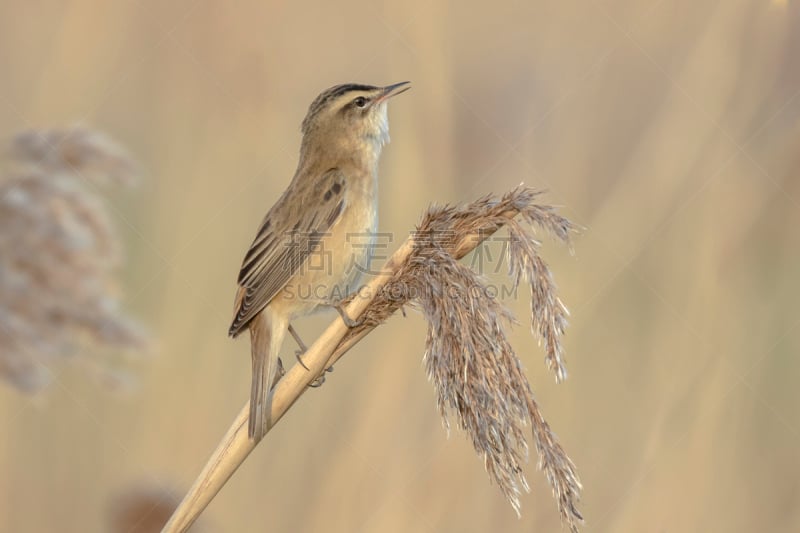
305,257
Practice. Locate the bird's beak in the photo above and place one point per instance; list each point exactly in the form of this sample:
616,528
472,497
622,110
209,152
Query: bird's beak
393,90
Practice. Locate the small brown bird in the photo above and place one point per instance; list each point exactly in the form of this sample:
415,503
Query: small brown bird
316,241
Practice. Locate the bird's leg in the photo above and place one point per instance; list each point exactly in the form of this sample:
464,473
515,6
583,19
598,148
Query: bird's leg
349,322
299,353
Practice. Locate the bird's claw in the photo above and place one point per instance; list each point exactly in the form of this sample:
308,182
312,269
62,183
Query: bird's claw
299,356
319,380
349,322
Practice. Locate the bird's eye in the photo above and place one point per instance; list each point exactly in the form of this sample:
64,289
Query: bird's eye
360,101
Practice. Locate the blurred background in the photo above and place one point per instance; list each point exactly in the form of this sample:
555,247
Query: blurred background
668,129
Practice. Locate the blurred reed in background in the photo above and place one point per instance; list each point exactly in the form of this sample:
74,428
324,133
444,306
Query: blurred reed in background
59,252
145,509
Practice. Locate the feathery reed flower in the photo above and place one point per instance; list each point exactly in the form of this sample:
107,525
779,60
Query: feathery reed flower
473,367
58,253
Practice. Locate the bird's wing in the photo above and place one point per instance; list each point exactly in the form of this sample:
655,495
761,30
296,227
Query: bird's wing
287,236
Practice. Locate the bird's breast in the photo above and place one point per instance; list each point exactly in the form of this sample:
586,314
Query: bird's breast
341,261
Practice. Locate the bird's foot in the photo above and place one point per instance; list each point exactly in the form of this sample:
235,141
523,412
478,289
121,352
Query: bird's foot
349,322
320,379
299,353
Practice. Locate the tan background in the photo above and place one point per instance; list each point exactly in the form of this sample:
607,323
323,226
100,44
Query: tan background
669,129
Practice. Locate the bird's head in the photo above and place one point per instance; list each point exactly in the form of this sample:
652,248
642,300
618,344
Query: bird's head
350,117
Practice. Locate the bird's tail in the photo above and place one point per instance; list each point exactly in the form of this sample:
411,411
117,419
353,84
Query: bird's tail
266,336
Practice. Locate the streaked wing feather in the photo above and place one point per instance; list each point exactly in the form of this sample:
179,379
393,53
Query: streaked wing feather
279,250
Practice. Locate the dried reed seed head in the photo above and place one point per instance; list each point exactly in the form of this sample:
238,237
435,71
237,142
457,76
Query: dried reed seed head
76,150
469,361
58,255
476,374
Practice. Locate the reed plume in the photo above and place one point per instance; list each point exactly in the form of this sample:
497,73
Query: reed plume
59,253
472,365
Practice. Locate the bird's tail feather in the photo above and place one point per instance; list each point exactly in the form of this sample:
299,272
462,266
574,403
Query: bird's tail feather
266,336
